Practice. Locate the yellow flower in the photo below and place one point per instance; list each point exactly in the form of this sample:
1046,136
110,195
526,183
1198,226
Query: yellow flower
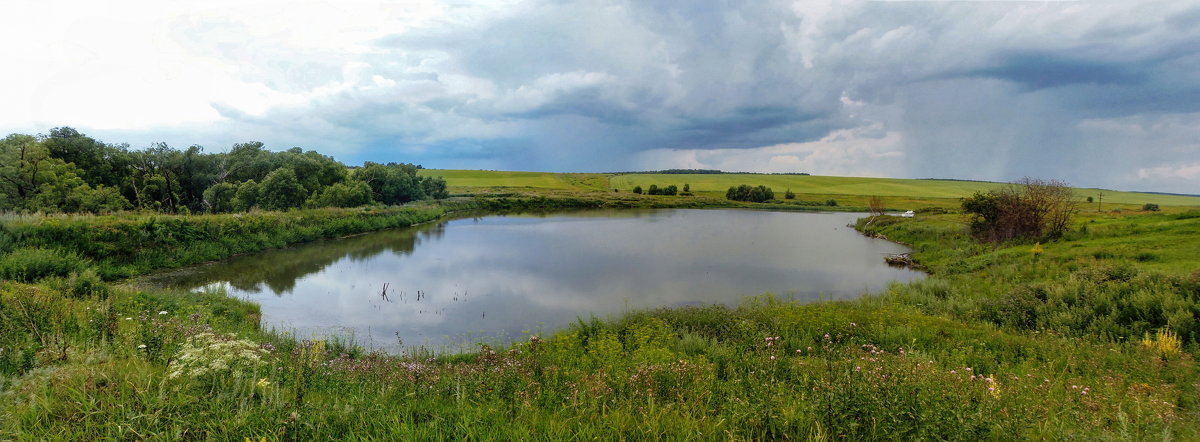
262,383
1164,342
1037,250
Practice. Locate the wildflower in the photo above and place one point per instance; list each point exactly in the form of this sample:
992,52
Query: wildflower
142,346
1036,250
262,383
853,324
162,312
772,357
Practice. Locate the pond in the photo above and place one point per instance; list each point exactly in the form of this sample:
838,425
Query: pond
452,284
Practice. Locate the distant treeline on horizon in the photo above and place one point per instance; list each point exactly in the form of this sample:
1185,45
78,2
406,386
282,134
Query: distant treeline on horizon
704,172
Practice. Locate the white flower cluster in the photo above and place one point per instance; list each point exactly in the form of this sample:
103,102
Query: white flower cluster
217,354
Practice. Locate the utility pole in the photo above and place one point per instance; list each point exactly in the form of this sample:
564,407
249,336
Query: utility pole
1100,202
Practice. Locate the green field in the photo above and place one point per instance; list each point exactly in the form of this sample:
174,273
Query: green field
491,178
901,190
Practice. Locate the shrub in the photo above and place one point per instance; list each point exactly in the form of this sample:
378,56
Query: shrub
352,194
1150,207
789,195
1018,308
34,263
752,194
1028,209
637,190
86,284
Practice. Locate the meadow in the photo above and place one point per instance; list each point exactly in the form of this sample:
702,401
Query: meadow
1089,336
906,194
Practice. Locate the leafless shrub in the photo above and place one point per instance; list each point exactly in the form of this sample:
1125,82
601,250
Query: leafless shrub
1027,209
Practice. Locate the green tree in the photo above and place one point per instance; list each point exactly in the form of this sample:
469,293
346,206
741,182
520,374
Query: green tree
753,194
434,187
637,190
219,197
391,183
349,194
246,197
25,164
98,163
281,190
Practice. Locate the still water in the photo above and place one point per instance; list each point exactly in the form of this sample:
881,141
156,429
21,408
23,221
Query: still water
454,283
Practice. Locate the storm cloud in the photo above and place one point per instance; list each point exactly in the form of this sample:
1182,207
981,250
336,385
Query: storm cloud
1097,93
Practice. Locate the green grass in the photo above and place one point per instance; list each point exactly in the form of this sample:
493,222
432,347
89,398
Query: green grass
884,187
499,179
996,344
898,193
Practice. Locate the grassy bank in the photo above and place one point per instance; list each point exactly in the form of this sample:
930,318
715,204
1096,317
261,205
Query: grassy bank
1090,339
119,246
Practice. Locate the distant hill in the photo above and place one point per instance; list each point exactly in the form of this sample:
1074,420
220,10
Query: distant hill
702,172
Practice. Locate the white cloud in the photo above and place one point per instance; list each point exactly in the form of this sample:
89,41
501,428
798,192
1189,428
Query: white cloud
1190,172
857,152
984,90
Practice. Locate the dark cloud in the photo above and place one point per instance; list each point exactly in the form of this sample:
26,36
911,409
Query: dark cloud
979,90
1039,70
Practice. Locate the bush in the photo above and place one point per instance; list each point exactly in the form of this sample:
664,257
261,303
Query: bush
752,194
1150,207
87,284
33,263
789,195
1028,209
352,194
1018,308
281,190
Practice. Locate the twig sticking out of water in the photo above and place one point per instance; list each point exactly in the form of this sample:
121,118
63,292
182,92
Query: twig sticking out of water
383,294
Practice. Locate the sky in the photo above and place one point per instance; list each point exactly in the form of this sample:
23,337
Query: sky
1093,93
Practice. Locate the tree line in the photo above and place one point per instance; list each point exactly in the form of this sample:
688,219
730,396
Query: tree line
668,190
69,172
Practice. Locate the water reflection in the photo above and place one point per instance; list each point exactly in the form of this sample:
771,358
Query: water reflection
496,276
